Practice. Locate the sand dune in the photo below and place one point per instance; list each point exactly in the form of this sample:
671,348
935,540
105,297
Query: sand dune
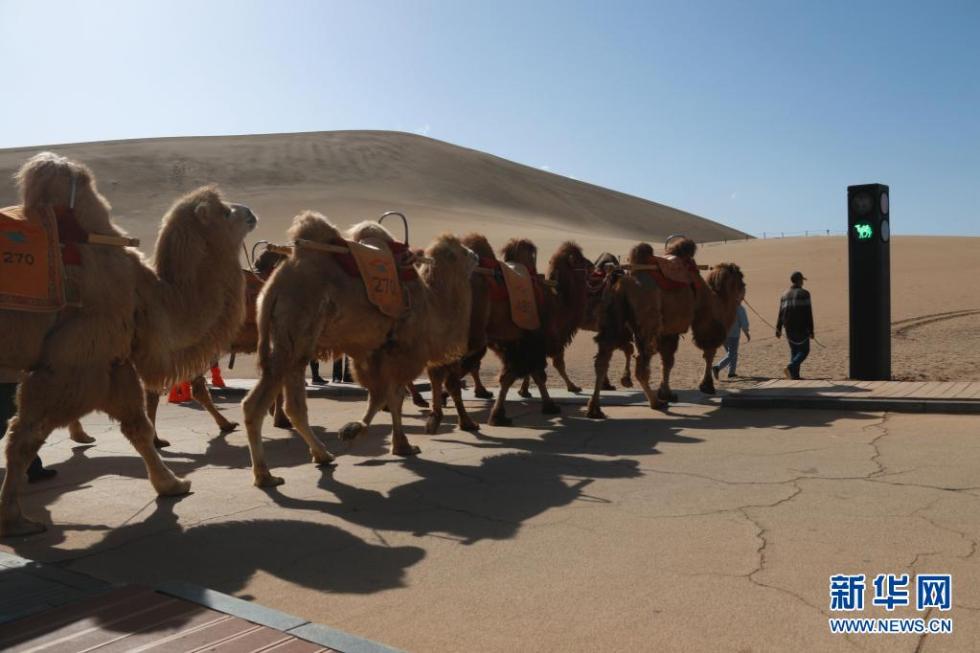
357,175
352,176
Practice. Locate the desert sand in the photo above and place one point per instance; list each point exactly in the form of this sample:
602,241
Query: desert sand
351,176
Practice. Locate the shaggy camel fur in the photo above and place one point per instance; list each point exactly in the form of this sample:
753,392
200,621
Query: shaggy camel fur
630,309
136,325
569,270
608,264
707,309
312,308
525,355
244,343
487,320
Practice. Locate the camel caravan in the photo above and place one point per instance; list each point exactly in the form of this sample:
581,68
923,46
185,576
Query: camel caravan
93,326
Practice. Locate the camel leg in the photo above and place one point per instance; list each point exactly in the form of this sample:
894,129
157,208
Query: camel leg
78,434
602,358
525,389
399,443
279,419
376,401
152,404
126,403
548,405
643,356
254,406
456,392
559,363
418,399
479,390
627,380
498,415
23,442
437,376
707,381
294,387
668,348
200,393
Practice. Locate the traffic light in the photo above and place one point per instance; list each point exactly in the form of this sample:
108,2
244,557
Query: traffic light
869,268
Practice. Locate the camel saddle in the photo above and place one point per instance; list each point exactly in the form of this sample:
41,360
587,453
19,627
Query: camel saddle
672,272
31,270
379,272
522,291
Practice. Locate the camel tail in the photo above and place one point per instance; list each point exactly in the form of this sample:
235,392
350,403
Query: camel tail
263,320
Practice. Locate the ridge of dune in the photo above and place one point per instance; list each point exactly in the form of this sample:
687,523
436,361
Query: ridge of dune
355,173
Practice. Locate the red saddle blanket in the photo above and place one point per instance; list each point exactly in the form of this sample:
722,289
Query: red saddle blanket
673,272
31,272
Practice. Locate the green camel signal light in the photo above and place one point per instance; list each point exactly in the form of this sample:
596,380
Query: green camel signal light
864,231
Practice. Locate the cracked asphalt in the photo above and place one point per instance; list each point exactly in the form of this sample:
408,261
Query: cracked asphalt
701,529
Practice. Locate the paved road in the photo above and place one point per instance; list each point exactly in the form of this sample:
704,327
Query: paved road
701,529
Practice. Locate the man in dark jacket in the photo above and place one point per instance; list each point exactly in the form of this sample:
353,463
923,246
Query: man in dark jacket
796,316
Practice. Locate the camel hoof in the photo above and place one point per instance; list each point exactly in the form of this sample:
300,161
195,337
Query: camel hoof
626,382
321,458
20,527
351,430
160,443
550,408
500,420
175,488
268,480
421,402
706,388
573,388
432,425
469,425
608,386
406,451
82,438
524,393
482,393
282,423
595,412
229,427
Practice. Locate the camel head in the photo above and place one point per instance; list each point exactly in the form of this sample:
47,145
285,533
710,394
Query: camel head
480,245
683,247
448,252
569,256
727,280
53,180
641,253
200,227
521,250
607,261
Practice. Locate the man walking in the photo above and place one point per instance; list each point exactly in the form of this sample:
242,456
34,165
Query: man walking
796,315
740,325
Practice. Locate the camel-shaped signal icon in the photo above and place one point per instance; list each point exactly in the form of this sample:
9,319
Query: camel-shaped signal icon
863,231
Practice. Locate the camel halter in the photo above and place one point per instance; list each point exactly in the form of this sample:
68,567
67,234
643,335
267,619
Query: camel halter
96,239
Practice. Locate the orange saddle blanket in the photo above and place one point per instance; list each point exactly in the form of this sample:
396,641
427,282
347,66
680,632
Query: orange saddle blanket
380,274
31,273
523,302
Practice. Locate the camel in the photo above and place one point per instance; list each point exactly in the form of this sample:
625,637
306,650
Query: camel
312,308
707,309
577,299
523,353
630,309
244,343
136,324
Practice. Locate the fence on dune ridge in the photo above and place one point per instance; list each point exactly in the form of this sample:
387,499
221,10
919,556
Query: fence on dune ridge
773,235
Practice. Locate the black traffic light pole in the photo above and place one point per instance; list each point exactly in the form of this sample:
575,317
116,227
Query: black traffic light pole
869,267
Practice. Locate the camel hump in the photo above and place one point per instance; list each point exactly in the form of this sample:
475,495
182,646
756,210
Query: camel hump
31,272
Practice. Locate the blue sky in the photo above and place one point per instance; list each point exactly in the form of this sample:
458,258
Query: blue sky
756,114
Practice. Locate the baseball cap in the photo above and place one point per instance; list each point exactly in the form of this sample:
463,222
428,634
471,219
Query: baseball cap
797,276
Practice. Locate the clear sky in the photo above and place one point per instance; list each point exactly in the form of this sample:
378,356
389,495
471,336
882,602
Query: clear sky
756,114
